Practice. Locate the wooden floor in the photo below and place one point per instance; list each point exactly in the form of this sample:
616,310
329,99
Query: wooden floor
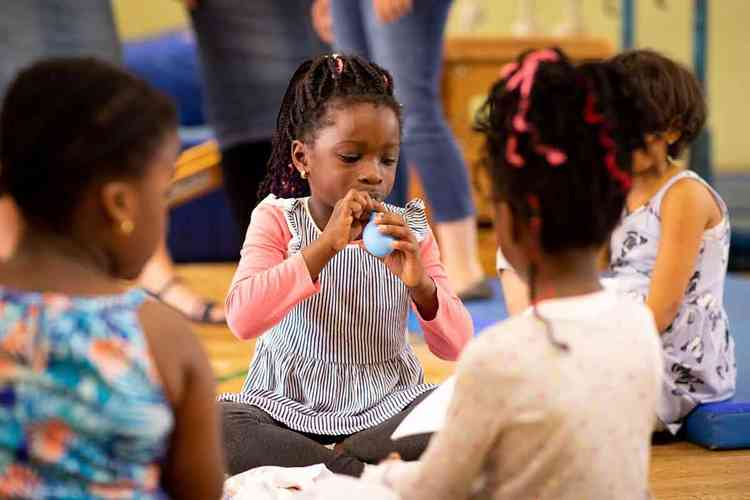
679,471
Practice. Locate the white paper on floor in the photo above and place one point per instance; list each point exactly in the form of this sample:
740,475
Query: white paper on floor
429,415
347,488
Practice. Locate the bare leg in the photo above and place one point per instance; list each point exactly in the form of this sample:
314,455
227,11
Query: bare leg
159,276
515,291
460,254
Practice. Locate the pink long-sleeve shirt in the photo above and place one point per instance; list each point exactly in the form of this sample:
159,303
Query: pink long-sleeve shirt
268,283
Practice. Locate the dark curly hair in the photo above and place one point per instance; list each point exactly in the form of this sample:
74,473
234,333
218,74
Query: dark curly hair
591,116
672,94
67,123
318,84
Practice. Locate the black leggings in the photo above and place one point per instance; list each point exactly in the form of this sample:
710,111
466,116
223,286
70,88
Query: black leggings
252,438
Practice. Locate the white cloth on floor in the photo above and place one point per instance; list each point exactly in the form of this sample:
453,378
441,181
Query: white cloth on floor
314,482
274,483
339,487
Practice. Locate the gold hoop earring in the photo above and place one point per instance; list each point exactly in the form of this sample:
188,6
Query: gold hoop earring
303,174
127,226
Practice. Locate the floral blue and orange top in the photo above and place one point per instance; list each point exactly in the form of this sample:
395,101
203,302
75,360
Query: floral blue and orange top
83,413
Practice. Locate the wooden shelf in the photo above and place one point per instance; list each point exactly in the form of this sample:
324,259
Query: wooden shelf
490,49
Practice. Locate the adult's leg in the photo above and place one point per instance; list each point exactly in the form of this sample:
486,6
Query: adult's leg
249,51
412,49
348,27
350,37
375,444
252,438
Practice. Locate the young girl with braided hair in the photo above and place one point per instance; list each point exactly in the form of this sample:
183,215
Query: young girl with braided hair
332,361
559,402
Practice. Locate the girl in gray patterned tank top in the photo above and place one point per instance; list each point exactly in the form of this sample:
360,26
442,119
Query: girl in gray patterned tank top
672,245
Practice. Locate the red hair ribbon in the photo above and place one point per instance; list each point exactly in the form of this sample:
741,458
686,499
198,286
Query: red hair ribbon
506,70
594,117
523,79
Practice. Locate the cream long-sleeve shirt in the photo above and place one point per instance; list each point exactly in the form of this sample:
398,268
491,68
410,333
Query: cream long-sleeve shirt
530,421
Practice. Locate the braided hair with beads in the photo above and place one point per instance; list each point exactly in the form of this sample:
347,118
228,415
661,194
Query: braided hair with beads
316,86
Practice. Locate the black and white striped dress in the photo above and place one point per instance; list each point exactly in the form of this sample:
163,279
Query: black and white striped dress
339,362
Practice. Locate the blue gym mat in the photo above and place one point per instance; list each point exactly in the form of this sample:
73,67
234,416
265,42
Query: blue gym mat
724,425
484,313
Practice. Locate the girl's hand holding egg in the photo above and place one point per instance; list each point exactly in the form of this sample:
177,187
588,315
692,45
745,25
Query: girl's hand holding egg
403,258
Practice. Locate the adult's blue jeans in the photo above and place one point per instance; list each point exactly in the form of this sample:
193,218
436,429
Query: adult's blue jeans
412,50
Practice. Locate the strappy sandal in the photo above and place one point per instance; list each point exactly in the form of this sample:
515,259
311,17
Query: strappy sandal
202,315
